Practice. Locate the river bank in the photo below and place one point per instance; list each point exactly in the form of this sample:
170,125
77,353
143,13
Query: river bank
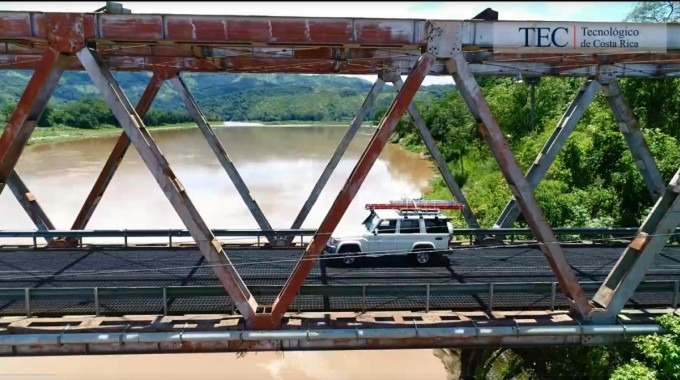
46,135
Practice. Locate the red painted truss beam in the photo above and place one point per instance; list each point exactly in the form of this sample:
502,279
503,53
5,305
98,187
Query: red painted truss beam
218,29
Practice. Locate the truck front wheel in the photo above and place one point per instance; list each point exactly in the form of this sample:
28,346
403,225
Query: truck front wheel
348,255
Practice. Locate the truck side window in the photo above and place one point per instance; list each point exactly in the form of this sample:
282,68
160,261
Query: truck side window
409,226
387,227
436,226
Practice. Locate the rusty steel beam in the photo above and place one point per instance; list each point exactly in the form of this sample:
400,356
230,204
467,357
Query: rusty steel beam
351,187
174,190
640,254
630,129
117,154
29,203
209,134
28,110
652,67
221,29
519,186
552,147
443,167
337,155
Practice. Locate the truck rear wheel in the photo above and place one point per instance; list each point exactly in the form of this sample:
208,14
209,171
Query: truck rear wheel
422,255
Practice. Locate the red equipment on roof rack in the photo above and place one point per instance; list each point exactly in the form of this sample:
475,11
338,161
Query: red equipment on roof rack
416,205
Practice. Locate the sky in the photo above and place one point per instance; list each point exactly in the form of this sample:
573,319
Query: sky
546,11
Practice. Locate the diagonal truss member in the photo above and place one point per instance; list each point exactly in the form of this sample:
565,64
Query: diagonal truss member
134,127
519,186
634,139
639,256
20,127
222,156
443,167
30,204
627,125
337,155
350,189
117,154
552,147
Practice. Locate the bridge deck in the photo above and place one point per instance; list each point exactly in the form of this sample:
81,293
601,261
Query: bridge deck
164,267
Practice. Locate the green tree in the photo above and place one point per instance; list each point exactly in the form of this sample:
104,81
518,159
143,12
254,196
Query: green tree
655,11
657,356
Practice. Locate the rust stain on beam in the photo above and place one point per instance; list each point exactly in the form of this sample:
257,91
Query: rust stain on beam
28,111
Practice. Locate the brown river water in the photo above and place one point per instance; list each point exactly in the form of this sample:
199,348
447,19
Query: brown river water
280,165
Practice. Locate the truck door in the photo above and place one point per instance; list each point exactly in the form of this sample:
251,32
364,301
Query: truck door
384,240
409,233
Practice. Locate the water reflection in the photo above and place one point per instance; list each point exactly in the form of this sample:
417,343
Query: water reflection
279,164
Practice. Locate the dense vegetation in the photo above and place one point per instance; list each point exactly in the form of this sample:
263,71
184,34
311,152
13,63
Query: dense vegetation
240,97
594,182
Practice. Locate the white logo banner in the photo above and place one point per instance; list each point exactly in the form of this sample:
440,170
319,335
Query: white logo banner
583,37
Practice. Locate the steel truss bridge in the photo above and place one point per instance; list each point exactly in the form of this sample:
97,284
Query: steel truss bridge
71,297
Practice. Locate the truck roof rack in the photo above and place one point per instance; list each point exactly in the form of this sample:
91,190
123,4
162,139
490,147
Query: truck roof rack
429,206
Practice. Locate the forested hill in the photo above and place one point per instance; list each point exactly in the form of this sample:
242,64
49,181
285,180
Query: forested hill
264,97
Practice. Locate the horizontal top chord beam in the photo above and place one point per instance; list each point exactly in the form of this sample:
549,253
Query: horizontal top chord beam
260,44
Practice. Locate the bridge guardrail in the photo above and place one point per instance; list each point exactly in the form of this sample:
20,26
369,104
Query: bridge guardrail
169,233
563,234
549,289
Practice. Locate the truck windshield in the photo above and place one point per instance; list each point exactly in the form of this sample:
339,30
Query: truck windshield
371,222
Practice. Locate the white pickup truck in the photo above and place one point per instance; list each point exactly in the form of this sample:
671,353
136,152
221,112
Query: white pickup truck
397,228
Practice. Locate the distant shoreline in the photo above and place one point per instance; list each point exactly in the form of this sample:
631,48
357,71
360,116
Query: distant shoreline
48,135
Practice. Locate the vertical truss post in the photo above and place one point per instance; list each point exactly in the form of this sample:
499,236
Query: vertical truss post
443,167
639,256
631,132
552,147
21,125
116,157
352,185
174,190
222,156
519,186
337,155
